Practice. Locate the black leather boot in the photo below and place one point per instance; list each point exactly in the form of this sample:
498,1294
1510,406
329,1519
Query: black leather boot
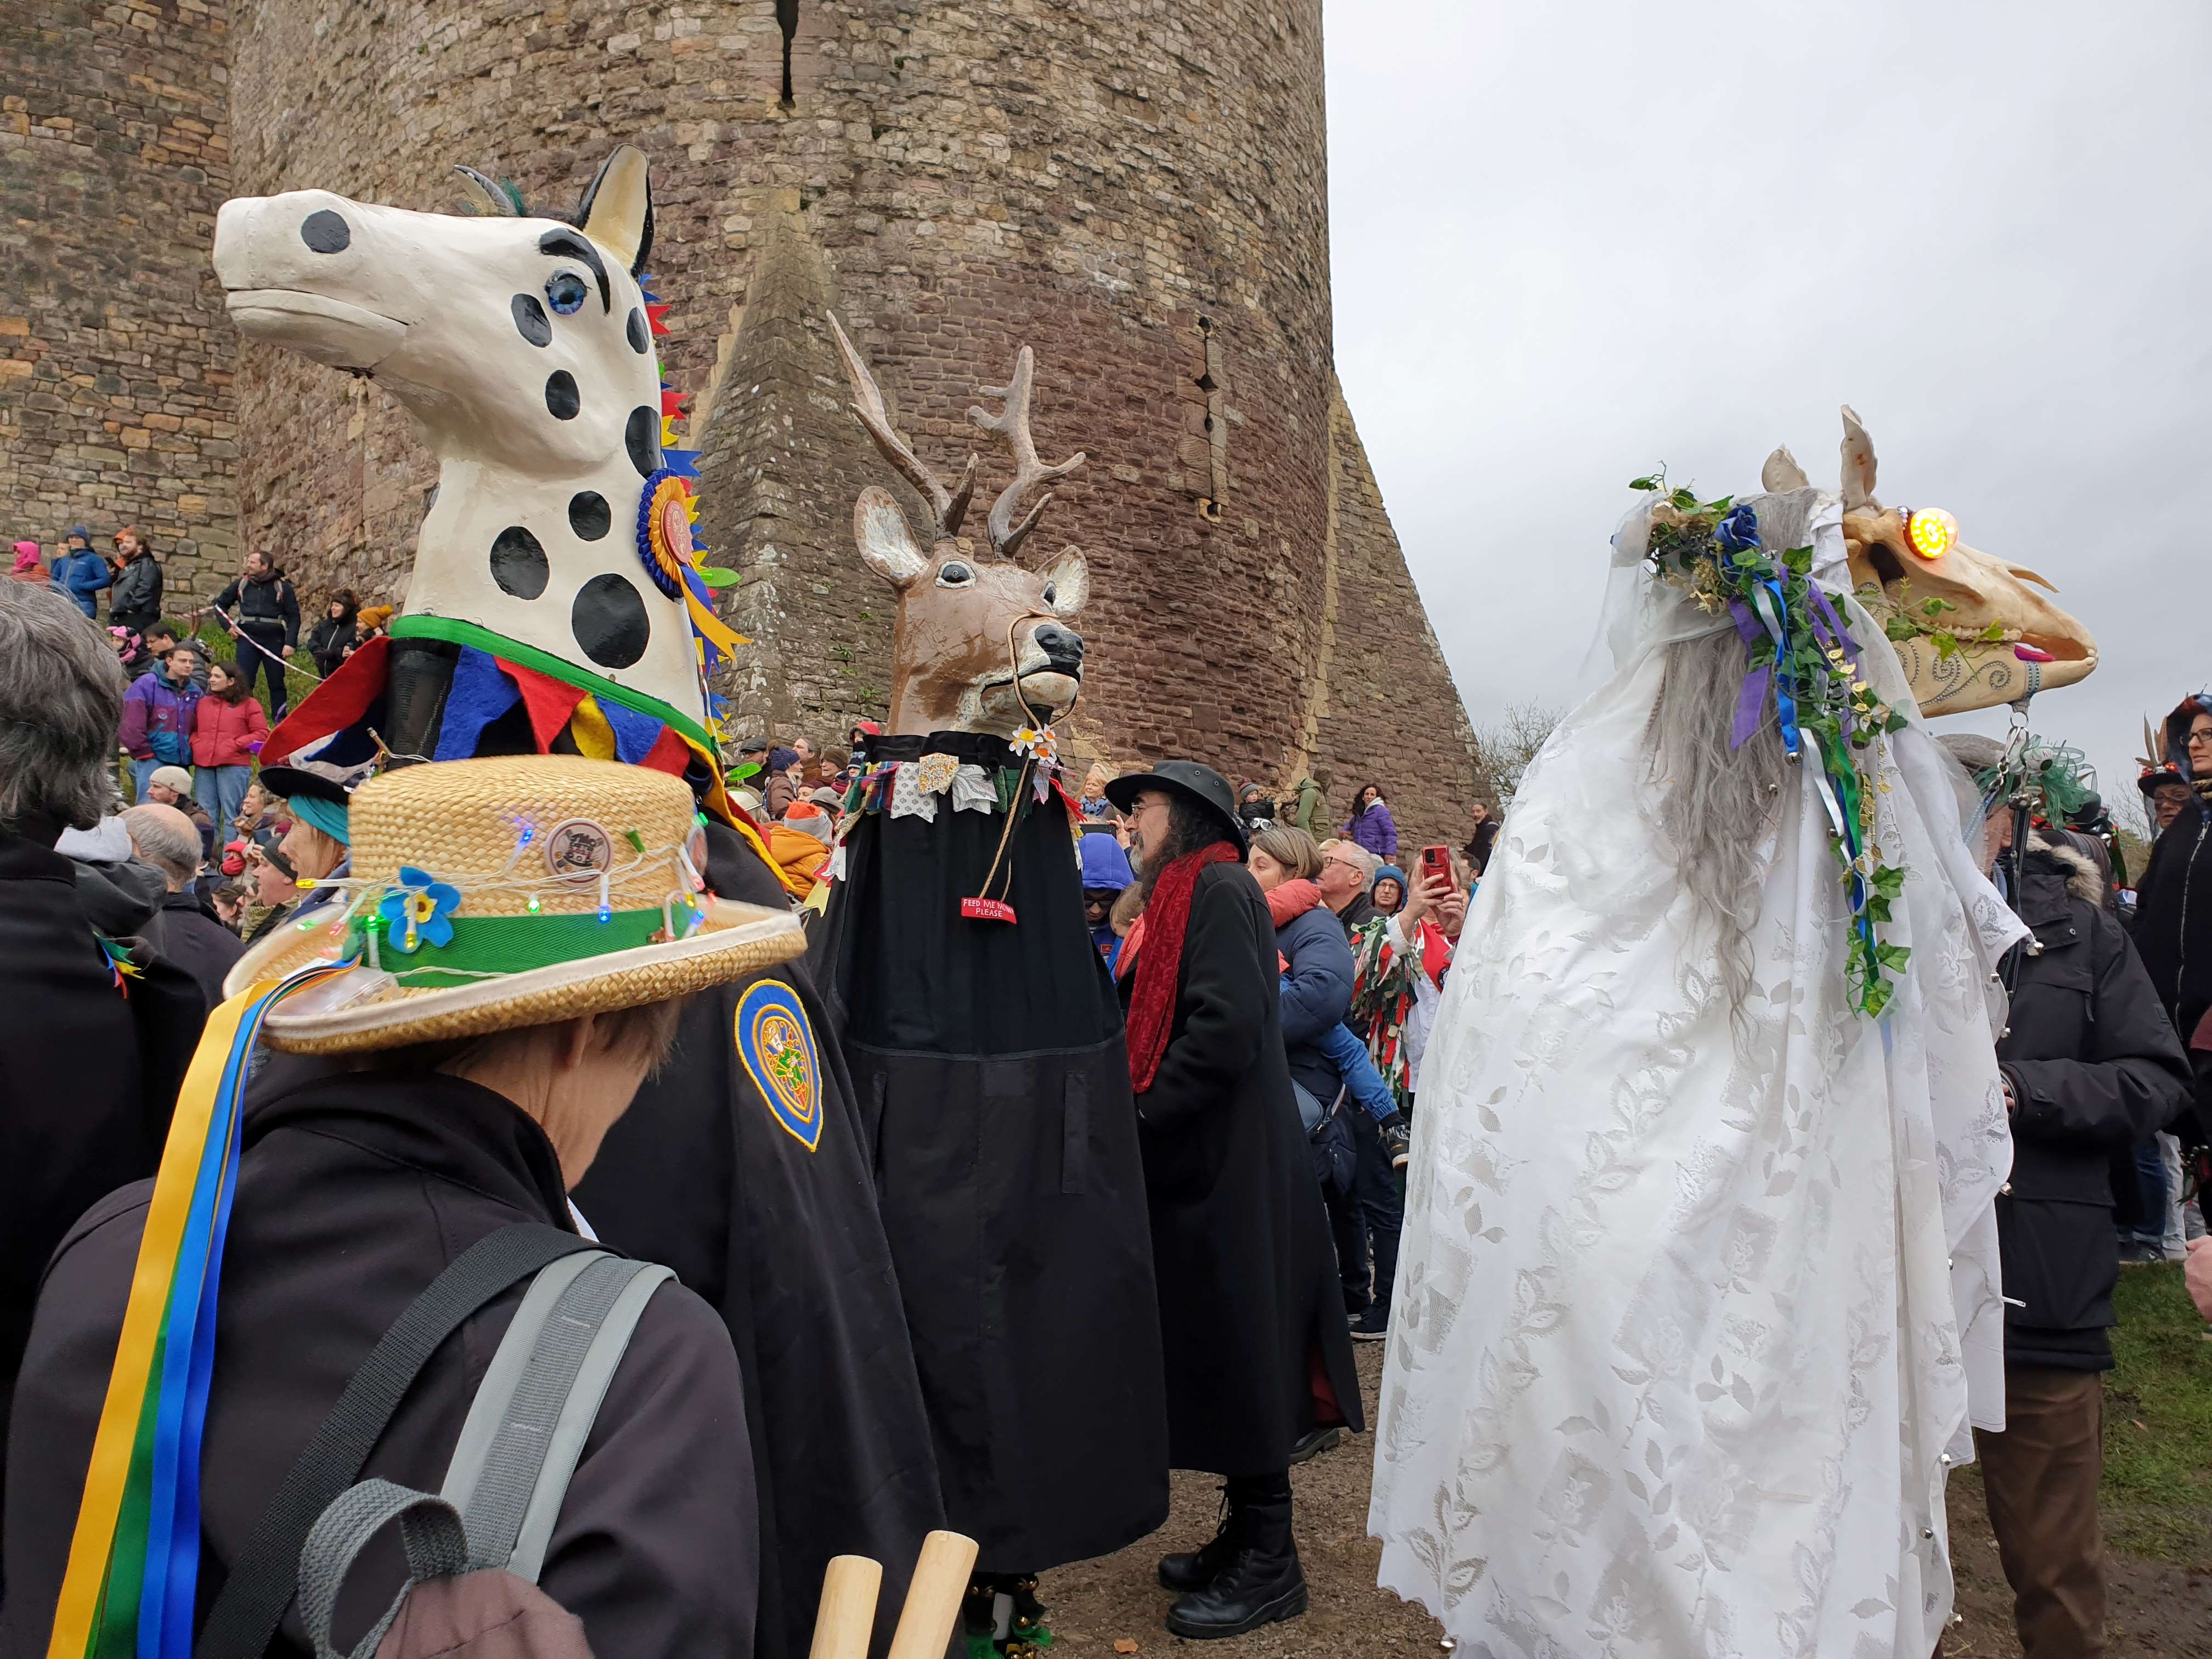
1191,1570
1260,1583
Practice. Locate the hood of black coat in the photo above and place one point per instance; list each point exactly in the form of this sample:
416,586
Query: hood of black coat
118,899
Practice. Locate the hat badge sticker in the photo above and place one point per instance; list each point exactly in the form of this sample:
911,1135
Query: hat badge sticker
775,1040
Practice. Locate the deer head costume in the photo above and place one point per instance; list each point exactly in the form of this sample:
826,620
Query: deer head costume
2005,642
979,645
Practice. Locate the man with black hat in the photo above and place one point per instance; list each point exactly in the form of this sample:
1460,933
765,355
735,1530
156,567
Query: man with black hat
1248,1291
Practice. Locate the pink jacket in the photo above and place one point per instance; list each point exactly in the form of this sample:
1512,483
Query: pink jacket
227,735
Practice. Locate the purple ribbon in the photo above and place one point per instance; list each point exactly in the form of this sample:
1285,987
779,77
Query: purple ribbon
1750,700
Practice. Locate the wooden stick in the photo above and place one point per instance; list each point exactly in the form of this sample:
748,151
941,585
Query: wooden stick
932,1600
848,1617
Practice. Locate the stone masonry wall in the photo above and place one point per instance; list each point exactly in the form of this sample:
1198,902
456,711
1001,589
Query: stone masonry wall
116,401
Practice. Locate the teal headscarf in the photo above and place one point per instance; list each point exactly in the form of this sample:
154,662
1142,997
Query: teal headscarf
323,815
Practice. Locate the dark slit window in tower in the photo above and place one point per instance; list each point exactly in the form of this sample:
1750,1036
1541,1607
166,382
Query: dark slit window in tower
787,19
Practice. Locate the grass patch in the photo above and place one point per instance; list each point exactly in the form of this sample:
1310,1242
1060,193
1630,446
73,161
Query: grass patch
214,638
2157,1493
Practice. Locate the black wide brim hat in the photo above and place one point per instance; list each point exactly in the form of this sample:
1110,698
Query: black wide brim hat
1199,783
315,780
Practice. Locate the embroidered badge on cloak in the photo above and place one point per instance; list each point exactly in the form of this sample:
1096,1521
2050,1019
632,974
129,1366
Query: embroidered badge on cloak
776,1043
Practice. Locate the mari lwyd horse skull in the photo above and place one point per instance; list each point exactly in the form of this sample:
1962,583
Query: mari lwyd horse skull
979,645
522,348
1902,557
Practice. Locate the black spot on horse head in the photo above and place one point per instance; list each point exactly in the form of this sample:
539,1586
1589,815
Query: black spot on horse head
609,621
561,396
642,437
531,320
326,232
589,516
518,563
640,337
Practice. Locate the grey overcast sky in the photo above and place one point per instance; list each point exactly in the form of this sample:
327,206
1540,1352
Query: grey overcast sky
1572,241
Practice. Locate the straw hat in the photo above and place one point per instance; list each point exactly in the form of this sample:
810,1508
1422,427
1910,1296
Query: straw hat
485,894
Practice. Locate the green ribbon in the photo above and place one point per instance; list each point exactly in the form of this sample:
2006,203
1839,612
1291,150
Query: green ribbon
504,944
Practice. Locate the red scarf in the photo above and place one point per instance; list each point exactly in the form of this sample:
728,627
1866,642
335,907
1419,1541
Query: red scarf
1159,966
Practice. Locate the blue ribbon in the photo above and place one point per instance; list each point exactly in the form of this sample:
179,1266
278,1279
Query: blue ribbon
168,1597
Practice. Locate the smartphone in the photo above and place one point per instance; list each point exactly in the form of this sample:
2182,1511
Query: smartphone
1437,860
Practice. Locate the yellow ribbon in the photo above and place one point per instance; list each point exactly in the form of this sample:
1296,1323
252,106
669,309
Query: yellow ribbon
704,619
86,1578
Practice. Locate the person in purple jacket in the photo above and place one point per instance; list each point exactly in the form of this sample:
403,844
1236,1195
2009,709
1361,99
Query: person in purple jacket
157,716
1372,826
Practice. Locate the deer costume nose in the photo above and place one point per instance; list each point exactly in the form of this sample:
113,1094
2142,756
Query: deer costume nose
1059,643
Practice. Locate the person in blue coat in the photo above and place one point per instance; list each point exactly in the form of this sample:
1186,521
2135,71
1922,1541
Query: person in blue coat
82,574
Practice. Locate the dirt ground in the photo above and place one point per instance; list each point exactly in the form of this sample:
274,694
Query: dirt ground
2165,1611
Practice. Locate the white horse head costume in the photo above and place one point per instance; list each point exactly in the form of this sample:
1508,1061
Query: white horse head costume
559,535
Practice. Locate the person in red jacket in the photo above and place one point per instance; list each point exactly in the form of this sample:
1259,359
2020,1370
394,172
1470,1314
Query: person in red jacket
228,727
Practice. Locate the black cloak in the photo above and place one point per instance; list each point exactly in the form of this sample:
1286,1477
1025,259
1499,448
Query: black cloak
990,1068
1250,1313
769,1211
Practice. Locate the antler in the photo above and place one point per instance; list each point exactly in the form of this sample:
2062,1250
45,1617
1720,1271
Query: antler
950,505
1012,425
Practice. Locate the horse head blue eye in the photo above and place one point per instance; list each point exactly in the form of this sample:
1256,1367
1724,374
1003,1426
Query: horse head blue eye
565,291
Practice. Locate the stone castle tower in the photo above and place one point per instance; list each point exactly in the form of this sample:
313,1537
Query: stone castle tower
1138,191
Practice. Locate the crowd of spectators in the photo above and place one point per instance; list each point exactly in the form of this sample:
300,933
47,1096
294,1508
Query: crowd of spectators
2106,1064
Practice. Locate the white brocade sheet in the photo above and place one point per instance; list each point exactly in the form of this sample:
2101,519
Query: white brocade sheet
1690,1298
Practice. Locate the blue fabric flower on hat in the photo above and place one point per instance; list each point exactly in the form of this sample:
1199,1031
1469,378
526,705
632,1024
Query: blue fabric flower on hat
417,909
1739,532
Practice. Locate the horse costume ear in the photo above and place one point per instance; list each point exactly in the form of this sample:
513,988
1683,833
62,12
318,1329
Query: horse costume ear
617,211
1782,474
1858,464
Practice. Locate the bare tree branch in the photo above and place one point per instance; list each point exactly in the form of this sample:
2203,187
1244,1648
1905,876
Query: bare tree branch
1503,747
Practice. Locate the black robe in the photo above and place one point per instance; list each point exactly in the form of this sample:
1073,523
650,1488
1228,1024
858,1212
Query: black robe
1250,1313
783,1237
88,1073
989,1066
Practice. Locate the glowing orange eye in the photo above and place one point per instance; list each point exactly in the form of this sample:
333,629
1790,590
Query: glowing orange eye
1932,531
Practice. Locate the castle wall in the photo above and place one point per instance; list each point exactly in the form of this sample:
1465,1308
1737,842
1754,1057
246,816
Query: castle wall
1136,189
116,402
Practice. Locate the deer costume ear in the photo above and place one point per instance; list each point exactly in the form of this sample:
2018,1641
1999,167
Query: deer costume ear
617,211
1069,578
1858,464
1782,473
886,544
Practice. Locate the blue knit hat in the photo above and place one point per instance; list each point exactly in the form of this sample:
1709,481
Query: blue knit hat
1104,864
1390,873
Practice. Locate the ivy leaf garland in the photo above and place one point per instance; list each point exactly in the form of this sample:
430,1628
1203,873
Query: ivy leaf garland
1802,663
1923,619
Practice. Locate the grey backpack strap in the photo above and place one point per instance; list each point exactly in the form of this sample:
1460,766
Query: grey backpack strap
430,1528
521,1443
497,1393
